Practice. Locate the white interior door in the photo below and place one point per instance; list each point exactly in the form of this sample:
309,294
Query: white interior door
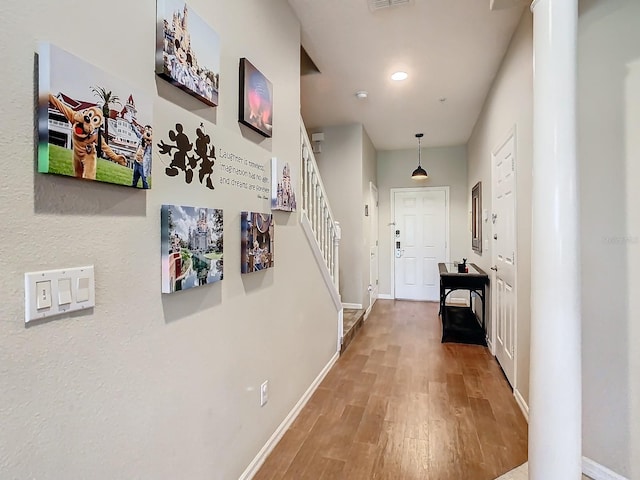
419,242
373,244
503,306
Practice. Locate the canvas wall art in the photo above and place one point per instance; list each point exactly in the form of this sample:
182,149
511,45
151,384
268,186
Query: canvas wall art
192,247
91,125
187,51
283,195
256,99
256,247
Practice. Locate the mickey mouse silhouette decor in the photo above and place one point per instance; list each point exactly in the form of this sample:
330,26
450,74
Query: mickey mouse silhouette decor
256,99
188,158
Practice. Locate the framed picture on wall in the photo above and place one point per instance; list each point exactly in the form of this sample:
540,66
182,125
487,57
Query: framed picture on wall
283,195
256,241
476,218
256,99
187,51
192,246
91,125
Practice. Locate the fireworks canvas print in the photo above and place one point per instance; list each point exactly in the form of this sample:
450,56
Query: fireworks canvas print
256,99
187,51
91,125
283,195
192,247
256,247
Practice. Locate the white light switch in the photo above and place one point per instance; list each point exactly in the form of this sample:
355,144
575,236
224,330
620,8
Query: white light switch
43,295
82,294
64,291
65,285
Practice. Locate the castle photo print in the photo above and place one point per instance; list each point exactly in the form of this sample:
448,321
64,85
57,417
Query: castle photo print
192,246
91,125
187,51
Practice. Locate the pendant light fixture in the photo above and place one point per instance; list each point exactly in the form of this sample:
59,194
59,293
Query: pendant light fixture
419,173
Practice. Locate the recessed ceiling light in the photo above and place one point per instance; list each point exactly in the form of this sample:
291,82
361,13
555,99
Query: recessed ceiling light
399,76
362,94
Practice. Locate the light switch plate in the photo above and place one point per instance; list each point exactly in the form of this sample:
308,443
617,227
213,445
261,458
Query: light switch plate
63,300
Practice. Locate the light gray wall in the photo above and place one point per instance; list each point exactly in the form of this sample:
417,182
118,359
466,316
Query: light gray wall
447,166
369,175
509,105
609,39
632,100
146,385
341,168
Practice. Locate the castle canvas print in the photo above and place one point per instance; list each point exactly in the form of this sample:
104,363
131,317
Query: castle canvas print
283,195
256,241
192,247
187,51
91,125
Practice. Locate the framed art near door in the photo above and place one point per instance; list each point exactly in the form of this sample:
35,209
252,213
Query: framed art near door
476,218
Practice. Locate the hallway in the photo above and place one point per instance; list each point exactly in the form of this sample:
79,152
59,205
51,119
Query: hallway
401,405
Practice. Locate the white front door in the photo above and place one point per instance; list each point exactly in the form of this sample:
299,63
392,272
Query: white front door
419,241
503,309
373,244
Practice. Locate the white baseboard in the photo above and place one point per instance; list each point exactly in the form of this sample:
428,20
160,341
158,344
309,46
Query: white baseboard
264,452
384,296
522,404
353,306
599,472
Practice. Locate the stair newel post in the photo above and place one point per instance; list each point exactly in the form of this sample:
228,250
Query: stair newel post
336,255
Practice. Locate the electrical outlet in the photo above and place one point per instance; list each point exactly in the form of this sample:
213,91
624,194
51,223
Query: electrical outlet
264,393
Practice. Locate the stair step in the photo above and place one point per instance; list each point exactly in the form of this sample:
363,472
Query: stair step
352,321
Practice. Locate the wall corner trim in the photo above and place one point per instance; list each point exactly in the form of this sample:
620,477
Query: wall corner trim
268,447
599,472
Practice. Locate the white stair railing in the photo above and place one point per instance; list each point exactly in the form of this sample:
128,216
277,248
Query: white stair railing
316,209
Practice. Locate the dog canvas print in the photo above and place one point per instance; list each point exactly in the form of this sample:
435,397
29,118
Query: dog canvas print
256,241
283,195
91,125
192,246
187,51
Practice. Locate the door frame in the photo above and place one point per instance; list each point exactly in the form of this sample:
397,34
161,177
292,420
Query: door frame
511,133
374,234
392,224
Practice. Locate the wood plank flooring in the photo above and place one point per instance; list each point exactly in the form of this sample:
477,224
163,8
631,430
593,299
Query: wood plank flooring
401,405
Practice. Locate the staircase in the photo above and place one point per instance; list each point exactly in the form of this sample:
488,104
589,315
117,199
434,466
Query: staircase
353,320
319,224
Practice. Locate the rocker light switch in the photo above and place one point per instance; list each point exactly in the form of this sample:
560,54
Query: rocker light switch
82,294
64,291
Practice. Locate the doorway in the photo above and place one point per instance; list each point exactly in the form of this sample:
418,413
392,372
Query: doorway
503,304
420,240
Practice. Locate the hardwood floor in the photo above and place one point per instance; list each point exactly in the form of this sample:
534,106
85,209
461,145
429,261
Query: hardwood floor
401,405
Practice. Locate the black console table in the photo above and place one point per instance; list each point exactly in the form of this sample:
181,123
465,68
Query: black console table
475,281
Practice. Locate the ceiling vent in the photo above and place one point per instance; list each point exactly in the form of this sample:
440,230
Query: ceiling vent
380,4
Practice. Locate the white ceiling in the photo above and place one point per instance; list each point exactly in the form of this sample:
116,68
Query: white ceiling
451,49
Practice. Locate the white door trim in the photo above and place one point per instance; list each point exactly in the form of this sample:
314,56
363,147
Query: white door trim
447,249
511,133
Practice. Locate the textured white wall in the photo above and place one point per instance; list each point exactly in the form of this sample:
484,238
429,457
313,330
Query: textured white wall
447,166
146,385
609,39
508,105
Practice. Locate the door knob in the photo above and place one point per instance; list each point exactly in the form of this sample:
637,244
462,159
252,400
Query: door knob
495,237
495,269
